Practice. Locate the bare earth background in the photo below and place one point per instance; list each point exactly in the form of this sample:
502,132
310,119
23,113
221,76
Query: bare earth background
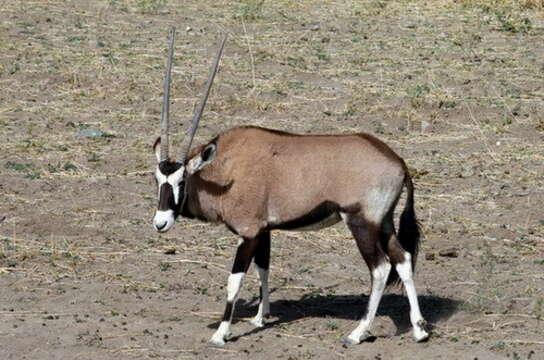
455,87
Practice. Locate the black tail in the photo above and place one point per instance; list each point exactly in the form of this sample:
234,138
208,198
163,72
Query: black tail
409,234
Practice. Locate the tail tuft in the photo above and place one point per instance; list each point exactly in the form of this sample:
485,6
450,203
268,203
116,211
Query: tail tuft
409,234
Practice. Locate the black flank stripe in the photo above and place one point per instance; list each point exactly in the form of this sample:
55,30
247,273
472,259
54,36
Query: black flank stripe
319,213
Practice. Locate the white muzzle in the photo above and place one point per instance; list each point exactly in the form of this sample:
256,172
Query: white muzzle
163,220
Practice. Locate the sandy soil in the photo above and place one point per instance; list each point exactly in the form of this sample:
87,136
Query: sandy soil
456,88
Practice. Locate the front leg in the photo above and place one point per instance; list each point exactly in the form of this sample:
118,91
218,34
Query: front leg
262,260
244,255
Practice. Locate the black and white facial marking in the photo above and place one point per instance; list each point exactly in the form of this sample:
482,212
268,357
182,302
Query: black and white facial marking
171,178
170,185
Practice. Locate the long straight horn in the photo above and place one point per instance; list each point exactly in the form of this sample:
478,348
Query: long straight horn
200,108
165,114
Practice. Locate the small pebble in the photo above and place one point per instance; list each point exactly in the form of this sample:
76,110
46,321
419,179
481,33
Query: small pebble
430,256
451,252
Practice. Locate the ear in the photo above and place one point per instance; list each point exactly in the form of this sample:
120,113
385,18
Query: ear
205,157
157,149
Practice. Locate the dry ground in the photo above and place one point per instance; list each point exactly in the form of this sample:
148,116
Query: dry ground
456,87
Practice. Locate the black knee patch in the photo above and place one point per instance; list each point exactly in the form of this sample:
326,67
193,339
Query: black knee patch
228,311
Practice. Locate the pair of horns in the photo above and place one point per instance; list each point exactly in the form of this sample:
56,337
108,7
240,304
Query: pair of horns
165,113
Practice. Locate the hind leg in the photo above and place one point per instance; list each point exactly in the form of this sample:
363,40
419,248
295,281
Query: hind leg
406,274
367,236
402,260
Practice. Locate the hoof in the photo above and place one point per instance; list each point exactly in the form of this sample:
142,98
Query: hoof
349,341
257,322
421,336
354,339
216,342
218,339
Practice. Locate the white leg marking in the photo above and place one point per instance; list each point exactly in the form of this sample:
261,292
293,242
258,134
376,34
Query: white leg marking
234,285
218,338
264,305
379,279
405,272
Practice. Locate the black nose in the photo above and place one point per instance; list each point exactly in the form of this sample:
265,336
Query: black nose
162,226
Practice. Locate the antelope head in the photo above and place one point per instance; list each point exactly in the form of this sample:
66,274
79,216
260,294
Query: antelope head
171,175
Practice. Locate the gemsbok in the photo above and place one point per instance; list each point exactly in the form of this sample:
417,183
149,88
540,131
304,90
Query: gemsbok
255,180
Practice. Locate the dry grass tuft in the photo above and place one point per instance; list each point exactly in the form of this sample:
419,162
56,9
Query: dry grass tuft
514,4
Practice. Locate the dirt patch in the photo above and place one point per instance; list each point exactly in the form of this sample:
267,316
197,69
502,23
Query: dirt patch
455,87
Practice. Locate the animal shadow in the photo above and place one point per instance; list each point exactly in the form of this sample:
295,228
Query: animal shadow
351,307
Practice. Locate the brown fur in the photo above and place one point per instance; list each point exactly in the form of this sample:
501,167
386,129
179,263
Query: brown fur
272,175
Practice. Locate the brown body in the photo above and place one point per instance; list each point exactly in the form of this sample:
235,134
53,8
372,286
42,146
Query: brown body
266,179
